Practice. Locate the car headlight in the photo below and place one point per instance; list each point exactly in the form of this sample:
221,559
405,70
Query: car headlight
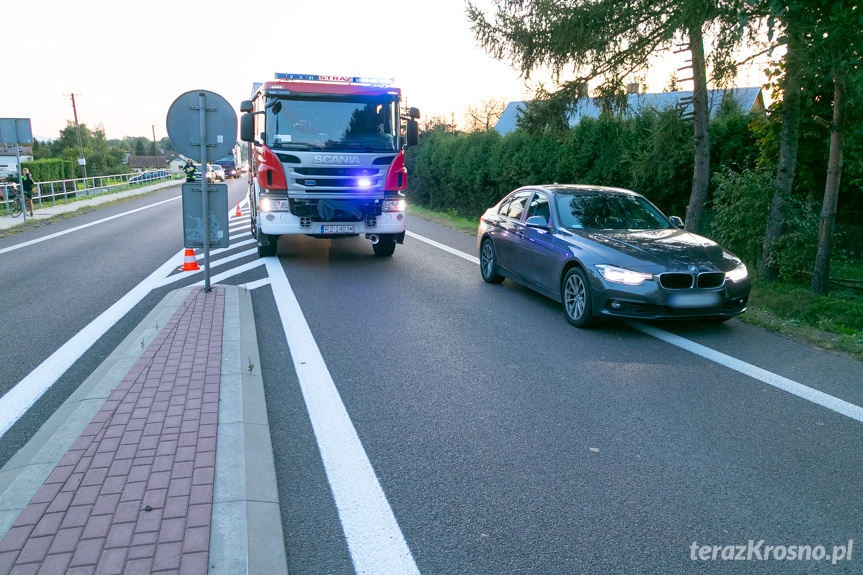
737,274
622,275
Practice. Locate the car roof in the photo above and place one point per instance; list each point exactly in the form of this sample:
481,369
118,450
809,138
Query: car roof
578,188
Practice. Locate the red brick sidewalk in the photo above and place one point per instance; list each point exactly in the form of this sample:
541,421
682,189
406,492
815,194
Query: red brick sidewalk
134,494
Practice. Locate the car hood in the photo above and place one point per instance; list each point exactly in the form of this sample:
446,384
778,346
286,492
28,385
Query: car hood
669,248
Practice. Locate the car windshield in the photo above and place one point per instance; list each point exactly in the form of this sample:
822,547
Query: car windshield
356,123
602,210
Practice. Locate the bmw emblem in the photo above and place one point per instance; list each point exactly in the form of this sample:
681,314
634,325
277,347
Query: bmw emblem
693,268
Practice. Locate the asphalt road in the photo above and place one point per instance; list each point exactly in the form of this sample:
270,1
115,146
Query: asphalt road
504,440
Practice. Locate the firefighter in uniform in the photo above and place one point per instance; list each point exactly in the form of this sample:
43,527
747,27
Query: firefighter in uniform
190,170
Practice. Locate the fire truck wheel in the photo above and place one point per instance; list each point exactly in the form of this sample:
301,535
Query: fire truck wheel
385,247
268,250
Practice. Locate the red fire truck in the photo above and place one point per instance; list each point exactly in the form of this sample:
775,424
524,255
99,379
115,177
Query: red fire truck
327,159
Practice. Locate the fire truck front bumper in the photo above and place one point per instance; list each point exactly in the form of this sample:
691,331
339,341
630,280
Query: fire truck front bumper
285,223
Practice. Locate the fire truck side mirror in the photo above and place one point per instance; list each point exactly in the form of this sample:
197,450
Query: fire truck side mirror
414,113
413,133
247,127
246,106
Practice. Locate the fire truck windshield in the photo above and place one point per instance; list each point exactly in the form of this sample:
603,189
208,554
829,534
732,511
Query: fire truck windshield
358,123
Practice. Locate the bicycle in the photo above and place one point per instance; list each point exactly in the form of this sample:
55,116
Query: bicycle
13,201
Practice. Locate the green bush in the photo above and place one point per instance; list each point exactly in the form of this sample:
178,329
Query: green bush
649,152
741,205
50,170
796,249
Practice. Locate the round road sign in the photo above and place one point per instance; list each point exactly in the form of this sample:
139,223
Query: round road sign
184,124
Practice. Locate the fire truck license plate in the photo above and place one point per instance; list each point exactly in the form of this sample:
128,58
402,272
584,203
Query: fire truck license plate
337,229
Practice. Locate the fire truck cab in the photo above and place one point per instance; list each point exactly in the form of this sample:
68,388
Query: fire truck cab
327,159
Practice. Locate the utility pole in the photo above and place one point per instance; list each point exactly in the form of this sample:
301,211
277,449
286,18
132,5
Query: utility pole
155,150
81,161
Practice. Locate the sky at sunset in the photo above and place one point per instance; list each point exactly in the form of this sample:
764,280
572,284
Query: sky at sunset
127,62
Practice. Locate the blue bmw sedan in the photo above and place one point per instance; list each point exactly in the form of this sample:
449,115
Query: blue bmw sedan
608,252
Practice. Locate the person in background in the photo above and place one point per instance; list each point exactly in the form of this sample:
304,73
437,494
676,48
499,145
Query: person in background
27,183
190,170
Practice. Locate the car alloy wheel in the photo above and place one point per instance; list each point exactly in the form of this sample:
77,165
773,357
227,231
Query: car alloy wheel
575,297
488,263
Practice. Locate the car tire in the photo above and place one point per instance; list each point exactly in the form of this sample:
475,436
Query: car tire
488,263
575,298
385,247
270,249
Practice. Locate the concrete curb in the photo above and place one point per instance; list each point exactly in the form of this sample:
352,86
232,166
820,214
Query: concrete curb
245,496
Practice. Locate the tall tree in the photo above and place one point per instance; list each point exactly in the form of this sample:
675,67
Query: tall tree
612,40
839,34
791,71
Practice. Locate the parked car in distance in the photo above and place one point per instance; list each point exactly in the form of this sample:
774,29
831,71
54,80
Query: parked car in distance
213,172
608,252
218,172
150,175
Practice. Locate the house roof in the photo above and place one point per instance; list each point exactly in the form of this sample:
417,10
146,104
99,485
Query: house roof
147,162
749,99
9,150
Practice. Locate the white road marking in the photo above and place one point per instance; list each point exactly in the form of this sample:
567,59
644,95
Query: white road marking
233,272
374,538
15,403
795,388
26,392
75,229
809,394
257,283
444,247
231,247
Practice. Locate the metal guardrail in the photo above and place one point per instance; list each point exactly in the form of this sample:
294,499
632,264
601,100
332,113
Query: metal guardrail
64,191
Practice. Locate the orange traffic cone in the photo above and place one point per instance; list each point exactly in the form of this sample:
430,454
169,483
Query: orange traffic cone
238,213
190,264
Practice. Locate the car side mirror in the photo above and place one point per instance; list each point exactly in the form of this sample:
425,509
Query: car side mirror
676,222
537,222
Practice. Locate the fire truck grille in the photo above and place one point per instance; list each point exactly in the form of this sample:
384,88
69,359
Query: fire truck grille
336,172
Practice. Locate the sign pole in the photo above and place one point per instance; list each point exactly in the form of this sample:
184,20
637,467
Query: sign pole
193,119
202,110
20,181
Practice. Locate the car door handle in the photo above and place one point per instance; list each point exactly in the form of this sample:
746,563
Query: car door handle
519,233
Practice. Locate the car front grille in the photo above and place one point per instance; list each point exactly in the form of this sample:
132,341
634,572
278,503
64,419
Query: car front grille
711,279
677,280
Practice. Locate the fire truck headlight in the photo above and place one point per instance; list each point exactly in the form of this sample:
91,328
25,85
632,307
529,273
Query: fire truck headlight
395,205
270,205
